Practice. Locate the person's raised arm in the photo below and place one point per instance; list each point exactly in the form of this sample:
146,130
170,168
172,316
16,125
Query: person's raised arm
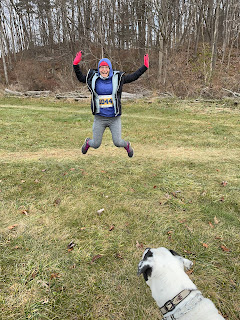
78,58
146,60
80,76
134,76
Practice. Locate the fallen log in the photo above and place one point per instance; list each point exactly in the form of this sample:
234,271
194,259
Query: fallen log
28,93
69,96
14,93
235,94
37,93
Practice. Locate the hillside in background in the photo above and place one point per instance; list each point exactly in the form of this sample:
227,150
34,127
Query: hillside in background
193,45
186,75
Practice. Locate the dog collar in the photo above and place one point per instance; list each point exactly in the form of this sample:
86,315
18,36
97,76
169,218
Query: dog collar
170,305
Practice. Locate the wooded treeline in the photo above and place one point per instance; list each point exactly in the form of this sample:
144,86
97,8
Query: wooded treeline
104,27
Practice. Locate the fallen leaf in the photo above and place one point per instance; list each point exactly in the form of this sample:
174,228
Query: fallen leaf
12,227
55,275
225,249
100,211
182,221
57,201
224,183
72,169
111,228
34,274
45,301
218,238
118,255
174,193
98,256
24,212
188,272
139,245
216,221
187,252
154,187
43,284
188,228
211,225
83,228
205,245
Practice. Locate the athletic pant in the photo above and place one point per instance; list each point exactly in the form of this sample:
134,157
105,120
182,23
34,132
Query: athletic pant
100,124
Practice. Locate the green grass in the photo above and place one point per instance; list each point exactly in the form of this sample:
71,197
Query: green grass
170,194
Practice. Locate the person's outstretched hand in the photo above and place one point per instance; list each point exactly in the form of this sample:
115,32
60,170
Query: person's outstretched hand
78,58
146,60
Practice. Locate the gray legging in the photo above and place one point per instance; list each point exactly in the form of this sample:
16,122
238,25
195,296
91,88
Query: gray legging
100,124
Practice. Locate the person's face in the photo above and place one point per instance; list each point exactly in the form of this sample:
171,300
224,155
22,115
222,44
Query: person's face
104,71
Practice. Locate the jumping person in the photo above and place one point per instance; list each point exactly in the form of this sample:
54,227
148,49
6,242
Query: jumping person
105,85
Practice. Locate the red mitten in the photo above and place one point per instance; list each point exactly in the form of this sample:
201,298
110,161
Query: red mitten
78,58
146,60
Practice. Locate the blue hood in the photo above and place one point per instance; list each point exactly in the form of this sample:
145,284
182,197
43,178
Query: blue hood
110,66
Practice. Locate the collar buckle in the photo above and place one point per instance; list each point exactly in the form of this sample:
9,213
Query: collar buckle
169,306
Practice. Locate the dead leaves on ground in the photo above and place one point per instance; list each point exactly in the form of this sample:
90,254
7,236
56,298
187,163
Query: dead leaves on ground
224,183
212,225
12,227
139,245
98,256
24,212
55,275
225,249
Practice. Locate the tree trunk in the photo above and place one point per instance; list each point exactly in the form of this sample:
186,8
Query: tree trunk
215,41
3,54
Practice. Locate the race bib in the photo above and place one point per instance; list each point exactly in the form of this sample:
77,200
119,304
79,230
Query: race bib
105,101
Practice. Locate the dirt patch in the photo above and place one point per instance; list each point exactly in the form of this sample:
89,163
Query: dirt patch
176,154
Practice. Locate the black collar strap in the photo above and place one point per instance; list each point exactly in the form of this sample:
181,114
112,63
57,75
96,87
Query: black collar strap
171,304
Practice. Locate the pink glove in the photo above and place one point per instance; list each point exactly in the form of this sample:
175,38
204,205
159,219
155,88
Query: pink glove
78,58
146,60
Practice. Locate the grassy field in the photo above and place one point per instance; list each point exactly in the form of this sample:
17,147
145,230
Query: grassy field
180,190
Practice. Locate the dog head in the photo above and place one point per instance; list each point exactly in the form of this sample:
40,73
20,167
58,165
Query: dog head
157,261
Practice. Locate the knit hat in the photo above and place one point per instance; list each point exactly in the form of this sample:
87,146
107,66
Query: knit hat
106,62
103,63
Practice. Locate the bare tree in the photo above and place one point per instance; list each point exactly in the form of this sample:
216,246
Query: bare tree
2,46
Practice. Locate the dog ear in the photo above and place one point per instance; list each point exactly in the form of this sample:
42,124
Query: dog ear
174,253
143,266
147,253
186,263
145,269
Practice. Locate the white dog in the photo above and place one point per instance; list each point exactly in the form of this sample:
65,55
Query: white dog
175,294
